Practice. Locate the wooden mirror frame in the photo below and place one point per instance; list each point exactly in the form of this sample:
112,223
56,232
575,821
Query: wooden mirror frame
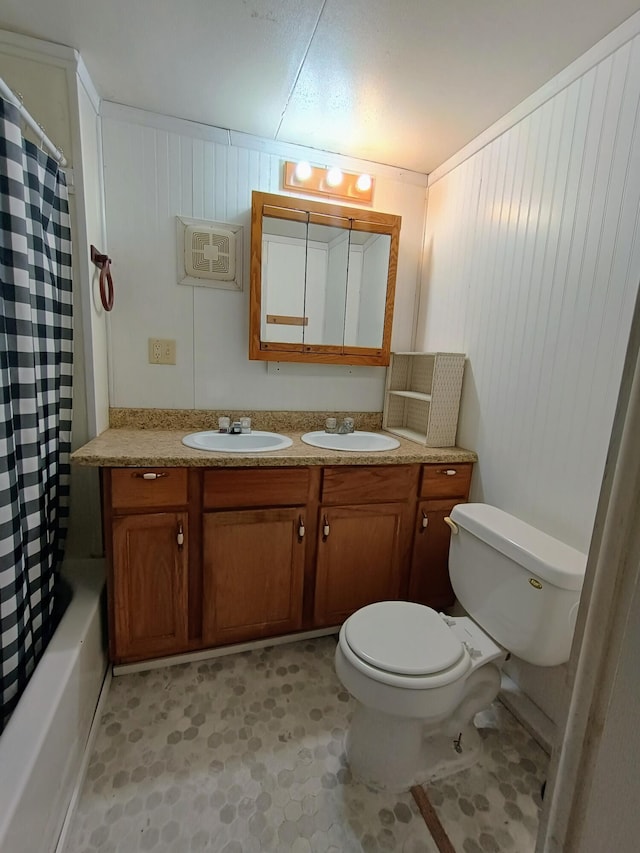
361,220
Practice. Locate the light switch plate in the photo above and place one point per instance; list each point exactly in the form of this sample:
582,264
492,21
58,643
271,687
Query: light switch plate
162,351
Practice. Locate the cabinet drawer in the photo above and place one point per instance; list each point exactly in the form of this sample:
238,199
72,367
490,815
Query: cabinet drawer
439,482
368,484
130,488
241,487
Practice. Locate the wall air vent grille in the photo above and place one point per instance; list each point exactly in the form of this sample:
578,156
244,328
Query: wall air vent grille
209,254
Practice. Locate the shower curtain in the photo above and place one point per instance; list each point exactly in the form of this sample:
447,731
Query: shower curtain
35,406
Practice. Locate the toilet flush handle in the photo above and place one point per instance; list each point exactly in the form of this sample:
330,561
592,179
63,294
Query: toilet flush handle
452,524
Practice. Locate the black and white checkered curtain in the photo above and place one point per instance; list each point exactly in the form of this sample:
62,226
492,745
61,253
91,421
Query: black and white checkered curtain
35,406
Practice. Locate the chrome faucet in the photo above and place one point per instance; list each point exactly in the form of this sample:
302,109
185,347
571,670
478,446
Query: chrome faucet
346,426
225,424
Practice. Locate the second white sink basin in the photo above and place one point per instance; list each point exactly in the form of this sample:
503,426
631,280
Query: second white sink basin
256,441
356,441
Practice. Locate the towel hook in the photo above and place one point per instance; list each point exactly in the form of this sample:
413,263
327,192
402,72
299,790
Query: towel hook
103,262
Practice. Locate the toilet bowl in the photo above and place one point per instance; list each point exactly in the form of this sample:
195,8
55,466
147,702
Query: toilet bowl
419,677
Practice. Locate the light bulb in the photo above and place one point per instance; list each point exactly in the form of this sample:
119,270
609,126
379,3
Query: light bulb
303,170
334,177
363,183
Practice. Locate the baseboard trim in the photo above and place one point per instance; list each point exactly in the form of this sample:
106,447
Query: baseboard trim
221,651
535,721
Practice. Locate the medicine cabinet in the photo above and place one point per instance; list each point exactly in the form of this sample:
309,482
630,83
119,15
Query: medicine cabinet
322,281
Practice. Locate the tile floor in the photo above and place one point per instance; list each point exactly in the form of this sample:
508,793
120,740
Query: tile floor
495,805
245,753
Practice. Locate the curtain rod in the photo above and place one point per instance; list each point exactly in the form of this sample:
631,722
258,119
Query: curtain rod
10,96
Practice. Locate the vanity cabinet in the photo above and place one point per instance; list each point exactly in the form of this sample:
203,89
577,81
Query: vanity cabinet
363,532
149,562
359,559
253,567
441,488
253,555
202,558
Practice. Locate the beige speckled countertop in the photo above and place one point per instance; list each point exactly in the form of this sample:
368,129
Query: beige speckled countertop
153,437
164,448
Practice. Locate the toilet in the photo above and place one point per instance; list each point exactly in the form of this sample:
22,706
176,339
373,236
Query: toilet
420,677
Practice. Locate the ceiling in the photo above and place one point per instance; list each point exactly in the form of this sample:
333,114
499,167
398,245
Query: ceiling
402,82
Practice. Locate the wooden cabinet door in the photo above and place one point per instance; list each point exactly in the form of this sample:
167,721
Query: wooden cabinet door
149,585
253,564
358,560
429,579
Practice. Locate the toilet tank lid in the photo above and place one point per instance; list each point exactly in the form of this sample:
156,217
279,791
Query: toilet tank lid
537,552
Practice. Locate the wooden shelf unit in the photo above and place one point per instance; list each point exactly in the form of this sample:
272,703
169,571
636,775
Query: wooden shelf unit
422,396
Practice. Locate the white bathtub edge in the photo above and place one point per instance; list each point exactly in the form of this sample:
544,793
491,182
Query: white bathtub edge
42,746
84,766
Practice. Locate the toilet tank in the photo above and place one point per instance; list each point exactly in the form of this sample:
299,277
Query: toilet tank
519,584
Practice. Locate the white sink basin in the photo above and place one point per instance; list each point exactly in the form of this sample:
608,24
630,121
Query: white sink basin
256,441
356,441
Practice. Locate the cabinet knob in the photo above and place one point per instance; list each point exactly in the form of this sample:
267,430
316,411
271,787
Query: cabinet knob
450,472
301,530
180,536
425,520
325,527
149,475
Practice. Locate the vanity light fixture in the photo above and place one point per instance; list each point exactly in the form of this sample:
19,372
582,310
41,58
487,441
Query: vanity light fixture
303,170
331,182
363,183
334,177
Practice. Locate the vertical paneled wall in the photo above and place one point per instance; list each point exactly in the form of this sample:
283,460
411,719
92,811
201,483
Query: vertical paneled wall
157,168
91,386
532,264
532,267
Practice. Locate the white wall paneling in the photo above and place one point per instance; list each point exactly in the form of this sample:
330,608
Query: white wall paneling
157,168
532,261
90,364
532,268
91,198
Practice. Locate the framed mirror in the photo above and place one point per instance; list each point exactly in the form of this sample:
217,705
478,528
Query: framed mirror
322,281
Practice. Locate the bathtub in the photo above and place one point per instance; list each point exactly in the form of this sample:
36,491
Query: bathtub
42,747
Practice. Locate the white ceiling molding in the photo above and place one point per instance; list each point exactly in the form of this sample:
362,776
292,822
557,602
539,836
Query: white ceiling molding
286,150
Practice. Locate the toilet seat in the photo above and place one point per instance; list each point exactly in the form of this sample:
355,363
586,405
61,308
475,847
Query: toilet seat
404,644
403,637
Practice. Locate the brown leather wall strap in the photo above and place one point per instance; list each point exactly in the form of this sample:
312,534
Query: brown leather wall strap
103,262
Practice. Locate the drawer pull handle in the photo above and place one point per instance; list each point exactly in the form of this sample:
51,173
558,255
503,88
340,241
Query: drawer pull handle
149,475
452,524
301,530
450,472
425,520
180,536
325,528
